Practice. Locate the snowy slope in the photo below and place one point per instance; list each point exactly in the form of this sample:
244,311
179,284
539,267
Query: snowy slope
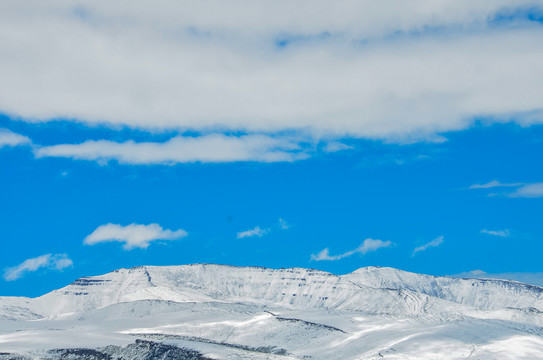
482,293
228,312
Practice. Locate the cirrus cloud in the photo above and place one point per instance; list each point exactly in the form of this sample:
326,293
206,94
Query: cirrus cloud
501,233
368,245
493,184
434,243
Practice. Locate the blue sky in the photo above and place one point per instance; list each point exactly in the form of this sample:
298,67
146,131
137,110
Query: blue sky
414,144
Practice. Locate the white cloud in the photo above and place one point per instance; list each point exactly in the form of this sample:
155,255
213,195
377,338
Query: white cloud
260,232
493,184
183,149
349,68
534,190
501,233
256,231
133,235
434,243
283,225
9,138
49,261
336,146
523,190
368,245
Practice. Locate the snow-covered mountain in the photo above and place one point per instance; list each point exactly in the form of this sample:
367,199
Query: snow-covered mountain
226,312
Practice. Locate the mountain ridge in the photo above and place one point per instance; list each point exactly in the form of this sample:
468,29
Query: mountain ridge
301,313
212,282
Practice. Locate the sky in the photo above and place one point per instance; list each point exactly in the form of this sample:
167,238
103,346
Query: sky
329,135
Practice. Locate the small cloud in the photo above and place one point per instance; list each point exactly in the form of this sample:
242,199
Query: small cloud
493,184
133,235
324,255
283,225
9,138
256,231
534,190
502,233
368,245
434,243
336,146
48,261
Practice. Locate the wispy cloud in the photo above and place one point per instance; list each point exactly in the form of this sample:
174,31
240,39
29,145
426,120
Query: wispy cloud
534,190
523,190
376,73
283,225
434,243
133,235
501,233
368,245
47,261
392,159
9,138
336,146
215,148
493,184
256,231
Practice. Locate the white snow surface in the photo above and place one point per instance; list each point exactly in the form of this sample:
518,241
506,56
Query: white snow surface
229,312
